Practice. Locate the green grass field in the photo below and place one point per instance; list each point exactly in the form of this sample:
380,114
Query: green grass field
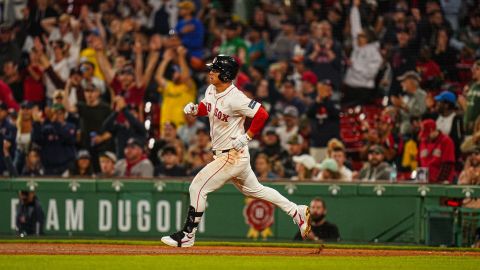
202,262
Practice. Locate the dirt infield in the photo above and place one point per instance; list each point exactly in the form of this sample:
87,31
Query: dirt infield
102,249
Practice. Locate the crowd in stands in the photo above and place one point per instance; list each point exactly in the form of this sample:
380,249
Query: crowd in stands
356,90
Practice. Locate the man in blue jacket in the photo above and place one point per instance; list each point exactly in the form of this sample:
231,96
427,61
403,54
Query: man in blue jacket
8,132
56,139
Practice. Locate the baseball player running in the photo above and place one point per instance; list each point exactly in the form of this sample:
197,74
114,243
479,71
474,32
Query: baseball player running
226,108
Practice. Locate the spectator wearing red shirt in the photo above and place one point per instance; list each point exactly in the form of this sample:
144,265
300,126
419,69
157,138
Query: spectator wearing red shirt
437,153
6,96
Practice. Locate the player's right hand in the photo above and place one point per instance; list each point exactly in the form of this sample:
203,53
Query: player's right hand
191,109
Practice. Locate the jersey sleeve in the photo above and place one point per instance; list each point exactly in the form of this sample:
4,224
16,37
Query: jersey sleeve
243,105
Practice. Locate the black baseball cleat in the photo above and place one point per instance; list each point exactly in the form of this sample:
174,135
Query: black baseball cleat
180,239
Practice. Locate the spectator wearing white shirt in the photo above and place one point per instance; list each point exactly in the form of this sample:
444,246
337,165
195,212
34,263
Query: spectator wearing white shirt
289,127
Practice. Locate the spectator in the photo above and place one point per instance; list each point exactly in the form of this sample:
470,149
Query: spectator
471,171
392,143
92,113
190,29
13,79
128,81
363,64
82,166
135,163
56,139
473,140
33,164
170,165
30,217
9,49
121,131
73,86
87,70
24,134
412,104
263,168
338,154
448,120
445,55
308,93
107,165
470,104
199,153
429,70
324,58
376,168
257,49
188,131
329,170
6,96
437,153
177,91
295,148
402,59
289,127
324,120
8,133
33,87
59,64
283,45
322,230
304,165
289,98
233,44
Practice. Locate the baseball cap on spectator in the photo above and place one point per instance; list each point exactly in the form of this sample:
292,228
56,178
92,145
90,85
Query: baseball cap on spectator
270,131
376,148
168,150
83,154
132,142
295,139
291,111
26,104
410,75
58,94
231,25
309,77
428,126
306,160
446,96
88,86
328,164
109,155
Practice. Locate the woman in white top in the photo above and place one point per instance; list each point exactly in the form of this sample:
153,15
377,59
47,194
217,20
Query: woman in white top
24,129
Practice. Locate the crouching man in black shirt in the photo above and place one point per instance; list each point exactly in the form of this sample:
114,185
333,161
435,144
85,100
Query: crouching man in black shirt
321,229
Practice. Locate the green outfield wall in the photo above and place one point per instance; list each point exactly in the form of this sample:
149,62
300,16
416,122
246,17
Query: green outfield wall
140,208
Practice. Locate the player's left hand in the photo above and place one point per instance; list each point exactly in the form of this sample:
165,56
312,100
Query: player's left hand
241,141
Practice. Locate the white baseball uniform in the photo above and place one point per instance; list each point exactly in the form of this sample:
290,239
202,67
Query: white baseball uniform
227,112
